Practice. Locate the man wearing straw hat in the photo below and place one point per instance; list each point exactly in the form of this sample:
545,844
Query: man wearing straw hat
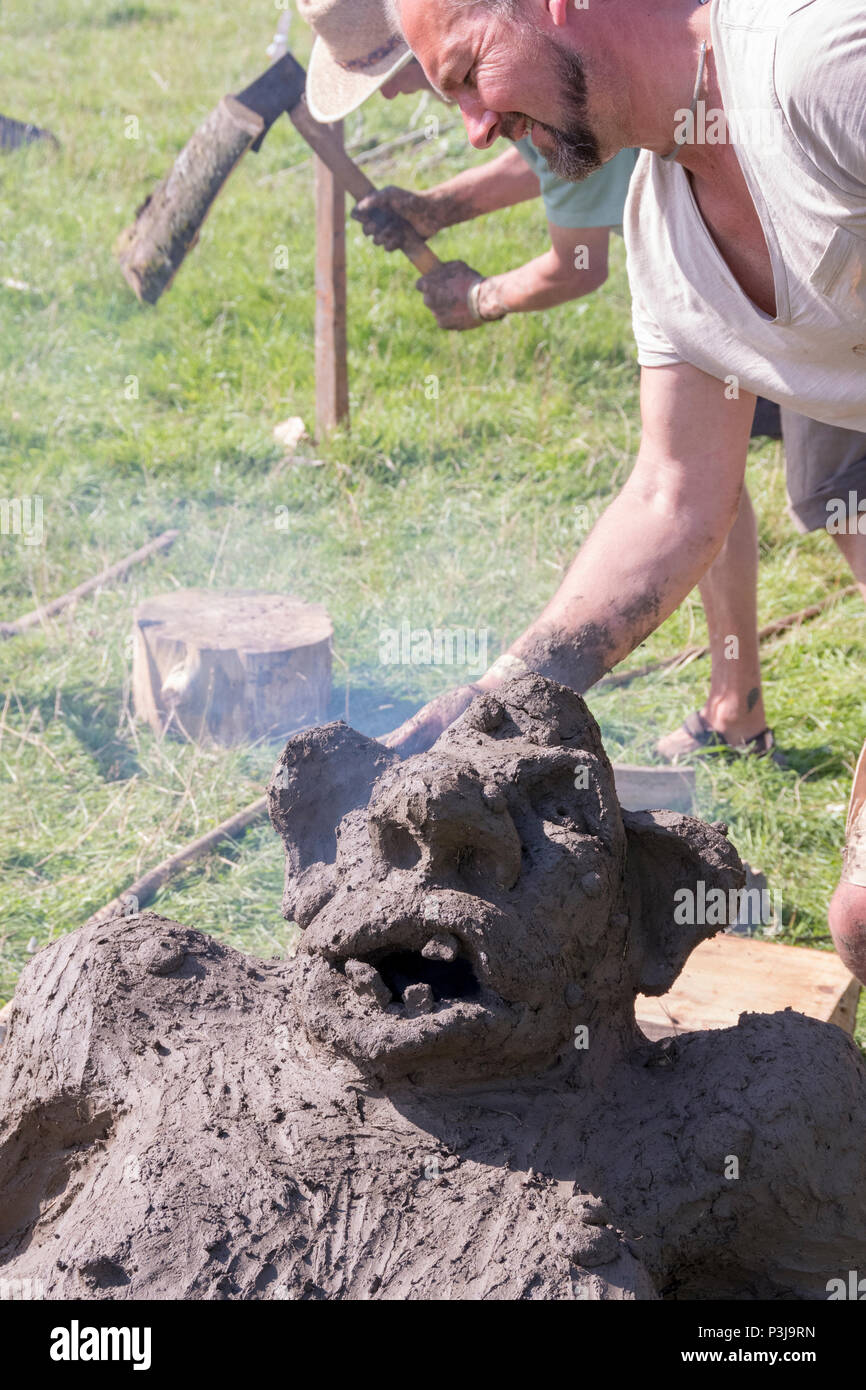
356,53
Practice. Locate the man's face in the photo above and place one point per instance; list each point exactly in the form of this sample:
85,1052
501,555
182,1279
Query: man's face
509,76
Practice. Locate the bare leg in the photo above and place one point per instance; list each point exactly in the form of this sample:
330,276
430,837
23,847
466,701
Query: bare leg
729,591
854,550
847,915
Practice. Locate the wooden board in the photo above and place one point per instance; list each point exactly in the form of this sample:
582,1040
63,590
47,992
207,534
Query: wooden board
730,975
231,666
654,788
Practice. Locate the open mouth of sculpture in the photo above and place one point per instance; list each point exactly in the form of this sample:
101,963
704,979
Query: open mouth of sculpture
398,989
404,979
447,979
410,983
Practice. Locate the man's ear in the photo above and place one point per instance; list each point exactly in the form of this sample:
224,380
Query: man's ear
558,10
673,864
322,775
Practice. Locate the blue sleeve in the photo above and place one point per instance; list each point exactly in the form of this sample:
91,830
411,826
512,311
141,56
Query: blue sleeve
597,201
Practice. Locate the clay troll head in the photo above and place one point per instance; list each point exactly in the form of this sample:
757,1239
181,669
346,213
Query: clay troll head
466,910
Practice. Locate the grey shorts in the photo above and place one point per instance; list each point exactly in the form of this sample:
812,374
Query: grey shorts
823,464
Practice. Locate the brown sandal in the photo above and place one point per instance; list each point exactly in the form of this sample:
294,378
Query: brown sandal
705,738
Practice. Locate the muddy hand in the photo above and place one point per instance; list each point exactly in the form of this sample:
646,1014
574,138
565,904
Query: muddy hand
445,292
420,732
376,214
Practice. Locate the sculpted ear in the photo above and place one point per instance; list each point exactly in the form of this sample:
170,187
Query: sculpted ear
322,774
666,853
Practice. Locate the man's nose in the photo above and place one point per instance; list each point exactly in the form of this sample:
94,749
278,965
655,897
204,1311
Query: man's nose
482,125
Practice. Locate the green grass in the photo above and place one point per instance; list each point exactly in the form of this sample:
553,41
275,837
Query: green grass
453,510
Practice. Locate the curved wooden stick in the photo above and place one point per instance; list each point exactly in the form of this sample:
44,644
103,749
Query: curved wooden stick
56,605
127,904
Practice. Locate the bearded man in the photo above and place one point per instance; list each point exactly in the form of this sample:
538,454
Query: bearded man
746,235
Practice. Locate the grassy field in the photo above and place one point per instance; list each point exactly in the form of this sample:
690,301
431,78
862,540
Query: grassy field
459,505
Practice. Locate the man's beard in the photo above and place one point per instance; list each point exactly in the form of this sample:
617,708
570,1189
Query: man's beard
575,152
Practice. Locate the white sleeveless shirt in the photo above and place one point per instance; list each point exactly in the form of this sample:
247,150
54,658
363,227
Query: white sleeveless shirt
793,82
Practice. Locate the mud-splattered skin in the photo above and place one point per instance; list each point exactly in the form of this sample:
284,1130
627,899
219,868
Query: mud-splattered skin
578,654
401,1111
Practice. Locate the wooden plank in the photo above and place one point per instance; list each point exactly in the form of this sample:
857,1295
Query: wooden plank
654,788
730,975
332,373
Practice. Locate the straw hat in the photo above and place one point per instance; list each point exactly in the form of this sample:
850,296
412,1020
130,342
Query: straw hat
355,51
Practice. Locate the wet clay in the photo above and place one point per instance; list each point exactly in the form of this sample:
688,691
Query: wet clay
444,1094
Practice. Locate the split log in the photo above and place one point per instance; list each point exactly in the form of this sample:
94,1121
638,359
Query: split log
231,666
168,222
116,571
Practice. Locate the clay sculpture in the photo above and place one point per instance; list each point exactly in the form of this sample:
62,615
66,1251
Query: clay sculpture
444,1093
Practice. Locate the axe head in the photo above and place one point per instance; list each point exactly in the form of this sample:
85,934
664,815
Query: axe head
277,90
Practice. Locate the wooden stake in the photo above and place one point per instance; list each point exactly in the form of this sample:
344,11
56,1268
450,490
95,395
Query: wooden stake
56,605
332,373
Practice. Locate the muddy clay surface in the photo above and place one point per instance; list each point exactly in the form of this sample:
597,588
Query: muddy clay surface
444,1094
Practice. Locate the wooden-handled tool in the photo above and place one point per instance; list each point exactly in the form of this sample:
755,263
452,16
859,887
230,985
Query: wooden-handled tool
329,148
168,223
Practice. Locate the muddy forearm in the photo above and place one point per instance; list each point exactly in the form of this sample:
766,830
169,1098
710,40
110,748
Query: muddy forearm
540,284
637,565
498,184
575,264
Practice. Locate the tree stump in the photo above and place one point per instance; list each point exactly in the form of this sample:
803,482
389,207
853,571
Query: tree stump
230,666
